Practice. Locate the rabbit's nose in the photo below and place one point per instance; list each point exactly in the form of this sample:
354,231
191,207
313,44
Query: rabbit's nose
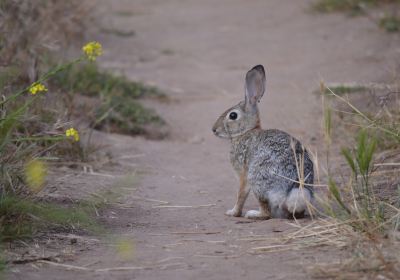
214,129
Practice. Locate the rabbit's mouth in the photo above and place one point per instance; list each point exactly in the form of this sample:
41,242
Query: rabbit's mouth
219,132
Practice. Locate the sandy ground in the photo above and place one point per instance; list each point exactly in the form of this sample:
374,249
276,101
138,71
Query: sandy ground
198,52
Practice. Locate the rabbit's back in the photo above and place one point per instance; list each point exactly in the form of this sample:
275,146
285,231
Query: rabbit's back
270,161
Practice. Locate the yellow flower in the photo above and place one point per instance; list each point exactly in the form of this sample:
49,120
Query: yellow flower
125,248
35,174
37,87
72,132
92,50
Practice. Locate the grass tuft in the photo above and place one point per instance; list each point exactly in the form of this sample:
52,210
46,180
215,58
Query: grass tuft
22,218
360,208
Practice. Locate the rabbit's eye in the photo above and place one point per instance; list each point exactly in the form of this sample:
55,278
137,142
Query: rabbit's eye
233,116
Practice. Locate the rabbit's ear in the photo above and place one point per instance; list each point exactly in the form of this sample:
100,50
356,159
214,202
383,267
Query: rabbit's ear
255,85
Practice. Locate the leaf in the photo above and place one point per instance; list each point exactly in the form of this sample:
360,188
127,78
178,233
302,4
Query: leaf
336,194
370,151
361,143
348,156
328,124
8,123
365,151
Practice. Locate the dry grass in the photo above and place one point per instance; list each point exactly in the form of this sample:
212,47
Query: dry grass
363,206
30,30
319,232
370,259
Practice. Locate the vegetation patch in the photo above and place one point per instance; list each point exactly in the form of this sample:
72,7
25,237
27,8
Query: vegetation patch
390,23
364,201
119,109
352,6
22,218
89,80
127,116
41,119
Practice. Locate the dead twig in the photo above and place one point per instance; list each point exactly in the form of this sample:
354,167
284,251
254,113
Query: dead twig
31,260
108,269
186,233
183,206
149,199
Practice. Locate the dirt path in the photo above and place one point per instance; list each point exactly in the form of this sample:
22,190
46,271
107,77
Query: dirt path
198,52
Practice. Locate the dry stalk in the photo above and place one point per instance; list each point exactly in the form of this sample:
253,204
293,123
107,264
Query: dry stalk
183,206
118,268
219,256
186,233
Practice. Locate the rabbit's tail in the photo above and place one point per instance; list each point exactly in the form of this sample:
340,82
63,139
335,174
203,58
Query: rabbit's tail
298,199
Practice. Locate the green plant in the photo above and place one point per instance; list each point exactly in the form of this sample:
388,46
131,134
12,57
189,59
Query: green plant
22,217
353,6
390,23
356,200
124,115
89,80
16,148
119,109
22,167
360,162
356,214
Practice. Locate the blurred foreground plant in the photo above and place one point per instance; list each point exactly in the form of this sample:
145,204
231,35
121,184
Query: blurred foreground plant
23,167
15,148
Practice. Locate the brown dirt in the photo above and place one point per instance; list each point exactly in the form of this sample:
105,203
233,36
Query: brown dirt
198,52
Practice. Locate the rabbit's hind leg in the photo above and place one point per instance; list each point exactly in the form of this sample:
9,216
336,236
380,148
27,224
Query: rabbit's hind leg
262,214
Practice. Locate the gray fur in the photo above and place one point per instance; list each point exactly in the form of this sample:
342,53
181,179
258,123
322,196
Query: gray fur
267,157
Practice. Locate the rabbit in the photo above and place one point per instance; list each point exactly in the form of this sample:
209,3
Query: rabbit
264,159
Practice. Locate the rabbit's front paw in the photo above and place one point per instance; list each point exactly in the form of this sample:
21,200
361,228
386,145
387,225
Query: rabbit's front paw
234,212
254,214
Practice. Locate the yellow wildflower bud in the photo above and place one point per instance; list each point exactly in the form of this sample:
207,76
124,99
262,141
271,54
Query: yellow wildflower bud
35,175
37,87
92,50
72,132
